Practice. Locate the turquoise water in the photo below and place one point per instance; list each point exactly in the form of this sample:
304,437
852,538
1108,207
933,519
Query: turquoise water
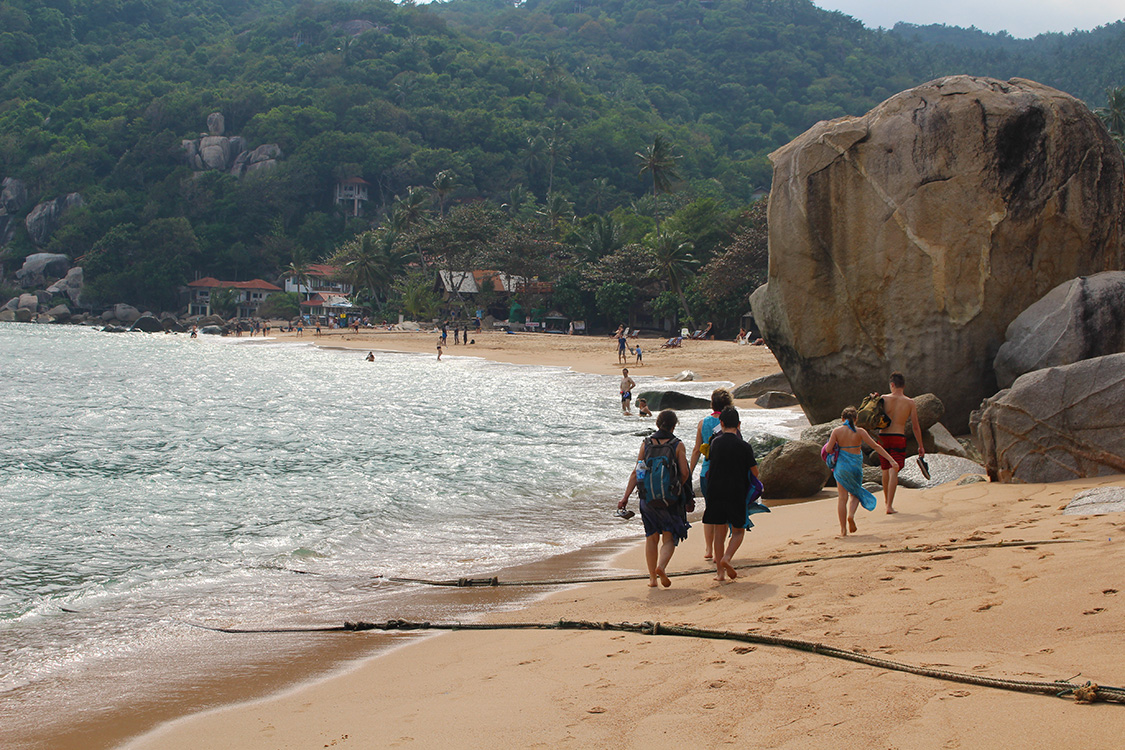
148,480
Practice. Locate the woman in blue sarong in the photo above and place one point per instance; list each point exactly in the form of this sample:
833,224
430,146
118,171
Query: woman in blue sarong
845,444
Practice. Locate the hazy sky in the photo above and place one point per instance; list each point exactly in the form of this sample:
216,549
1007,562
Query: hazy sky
1020,18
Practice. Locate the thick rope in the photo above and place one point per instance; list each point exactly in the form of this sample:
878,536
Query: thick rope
494,581
1087,693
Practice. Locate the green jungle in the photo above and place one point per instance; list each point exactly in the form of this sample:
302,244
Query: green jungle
617,149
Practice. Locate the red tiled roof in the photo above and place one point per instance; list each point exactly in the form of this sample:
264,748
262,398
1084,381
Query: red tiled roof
209,282
319,269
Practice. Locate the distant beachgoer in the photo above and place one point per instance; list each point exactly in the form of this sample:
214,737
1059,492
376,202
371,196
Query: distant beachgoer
848,470
317,331
444,333
194,332
664,527
704,431
465,333
473,341
371,356
355,326
899,408
439,351
731,462
300,327
621,344
640,360
456,335
627,386
707,332
642,408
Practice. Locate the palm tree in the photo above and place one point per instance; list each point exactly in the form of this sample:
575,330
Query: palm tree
659,161
555,148
299,271
410,209
600,192
517,199
555,210
443,185
602,238
372,261
1113,113
534,154
673,261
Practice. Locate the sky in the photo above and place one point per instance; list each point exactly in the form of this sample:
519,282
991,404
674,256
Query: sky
1020,18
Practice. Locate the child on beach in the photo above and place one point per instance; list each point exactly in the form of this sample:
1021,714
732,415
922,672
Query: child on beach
664,527
845,443
439,351
639,360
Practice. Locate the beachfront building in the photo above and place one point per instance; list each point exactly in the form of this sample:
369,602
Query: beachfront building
472,287
352,193
319,279
250,295
325,307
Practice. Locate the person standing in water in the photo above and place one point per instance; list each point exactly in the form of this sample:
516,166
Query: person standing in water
848,470
627,386
664,527
899,408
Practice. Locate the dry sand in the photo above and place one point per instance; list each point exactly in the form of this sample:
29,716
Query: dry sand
1037,611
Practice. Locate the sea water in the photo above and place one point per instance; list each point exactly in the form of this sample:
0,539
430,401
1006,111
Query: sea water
148,481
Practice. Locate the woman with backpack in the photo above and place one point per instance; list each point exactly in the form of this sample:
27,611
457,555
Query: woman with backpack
662,463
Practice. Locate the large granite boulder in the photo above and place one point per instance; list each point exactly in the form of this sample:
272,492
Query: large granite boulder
658,400
13,195
759,386
793,470
39,267
60,313
776,400
216,123
44,219
214,150
7,316
147,323
911,237
28,302
1079,319
70,285
126,313
1056,423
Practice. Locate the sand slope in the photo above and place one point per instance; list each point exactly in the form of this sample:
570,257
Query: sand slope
1035,611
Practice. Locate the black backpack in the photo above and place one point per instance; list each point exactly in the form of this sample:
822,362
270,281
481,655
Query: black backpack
662,486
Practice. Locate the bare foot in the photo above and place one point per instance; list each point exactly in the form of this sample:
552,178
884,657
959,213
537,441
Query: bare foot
842,535
706,557
891,510
729,569
665,581
851,525
720,579
652,582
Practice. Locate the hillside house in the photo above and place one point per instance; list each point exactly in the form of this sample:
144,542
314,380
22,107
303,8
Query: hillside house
352,193
251,295
319,280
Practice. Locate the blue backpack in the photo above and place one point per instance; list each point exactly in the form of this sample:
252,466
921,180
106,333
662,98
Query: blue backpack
661,487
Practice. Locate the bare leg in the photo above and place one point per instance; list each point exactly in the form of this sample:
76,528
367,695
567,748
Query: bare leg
736,537
667,547
890,484
852,505
651,543
708,540
718,548
842,509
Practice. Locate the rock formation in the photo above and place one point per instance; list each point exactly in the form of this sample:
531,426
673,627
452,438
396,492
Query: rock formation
215,151
1056,423
758,386
793,470
44,219
1079,319
13,196
658,400
38,268
910,237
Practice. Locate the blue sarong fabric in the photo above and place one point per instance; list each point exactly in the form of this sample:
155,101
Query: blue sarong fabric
849,475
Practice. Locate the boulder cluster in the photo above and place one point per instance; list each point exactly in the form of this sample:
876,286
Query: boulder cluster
215,151
970,233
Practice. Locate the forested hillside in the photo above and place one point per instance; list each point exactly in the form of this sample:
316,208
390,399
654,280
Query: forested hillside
592,144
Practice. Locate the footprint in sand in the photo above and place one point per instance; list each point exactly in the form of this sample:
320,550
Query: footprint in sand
792,595
805,573
711,598
1109,592
744,649
987,606
1094,611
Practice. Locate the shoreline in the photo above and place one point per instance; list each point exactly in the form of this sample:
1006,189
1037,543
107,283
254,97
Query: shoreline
1016,612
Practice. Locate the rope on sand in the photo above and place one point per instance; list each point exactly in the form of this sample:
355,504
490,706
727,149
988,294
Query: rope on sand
1086,693
494,581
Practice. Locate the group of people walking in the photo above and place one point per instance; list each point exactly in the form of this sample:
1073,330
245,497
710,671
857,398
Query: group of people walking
729,477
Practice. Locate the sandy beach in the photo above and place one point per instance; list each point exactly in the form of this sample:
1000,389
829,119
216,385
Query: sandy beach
1047,607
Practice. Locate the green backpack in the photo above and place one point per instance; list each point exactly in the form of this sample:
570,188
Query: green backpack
872,414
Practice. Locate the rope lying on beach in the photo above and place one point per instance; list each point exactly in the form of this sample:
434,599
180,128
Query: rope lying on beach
495,581
1086,693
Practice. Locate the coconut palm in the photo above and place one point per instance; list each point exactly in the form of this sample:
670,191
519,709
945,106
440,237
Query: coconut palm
602,237
673,262
410,209
658,160
443,185
556,209
1113,113
299,271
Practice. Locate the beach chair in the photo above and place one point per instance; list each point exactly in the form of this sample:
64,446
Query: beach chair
697,335
672,343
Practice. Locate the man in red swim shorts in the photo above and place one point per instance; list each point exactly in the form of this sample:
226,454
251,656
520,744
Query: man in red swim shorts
899,408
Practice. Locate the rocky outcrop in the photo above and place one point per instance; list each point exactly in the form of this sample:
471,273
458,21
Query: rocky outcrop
1096,501
756,387
216,151
776,400
39,267
28,302
13,197
911,237
44,219
1056,423
124,313
658,400
147,323
793,470
1079,319
69,286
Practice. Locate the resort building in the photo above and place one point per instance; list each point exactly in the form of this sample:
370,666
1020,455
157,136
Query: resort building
250,295
352,193
319,279
322,308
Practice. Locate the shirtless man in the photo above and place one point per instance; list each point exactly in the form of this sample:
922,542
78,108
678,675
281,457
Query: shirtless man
899,408
627,386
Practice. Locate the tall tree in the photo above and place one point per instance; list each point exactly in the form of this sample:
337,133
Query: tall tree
673,262
658,160
444,183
